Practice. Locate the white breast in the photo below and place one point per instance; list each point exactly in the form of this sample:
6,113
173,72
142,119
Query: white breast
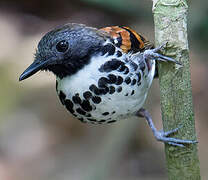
115,106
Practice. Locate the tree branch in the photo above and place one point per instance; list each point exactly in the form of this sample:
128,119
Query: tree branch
170,17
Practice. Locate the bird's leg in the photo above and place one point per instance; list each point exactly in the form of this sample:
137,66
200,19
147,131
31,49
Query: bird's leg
161,135
152,54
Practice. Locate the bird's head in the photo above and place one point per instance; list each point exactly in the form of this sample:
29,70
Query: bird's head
65,50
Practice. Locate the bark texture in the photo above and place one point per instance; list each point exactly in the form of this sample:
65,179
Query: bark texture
170,18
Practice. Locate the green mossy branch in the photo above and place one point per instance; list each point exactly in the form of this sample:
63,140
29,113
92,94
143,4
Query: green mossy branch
170,18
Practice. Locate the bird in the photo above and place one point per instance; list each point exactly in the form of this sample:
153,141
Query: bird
102,75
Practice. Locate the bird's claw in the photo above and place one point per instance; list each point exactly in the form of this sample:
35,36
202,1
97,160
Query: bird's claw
163,136
167,133
160,47
152,54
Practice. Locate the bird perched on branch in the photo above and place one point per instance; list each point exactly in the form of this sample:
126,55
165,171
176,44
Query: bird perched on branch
102,75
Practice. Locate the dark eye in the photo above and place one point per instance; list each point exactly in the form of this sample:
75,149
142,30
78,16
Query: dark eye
62,46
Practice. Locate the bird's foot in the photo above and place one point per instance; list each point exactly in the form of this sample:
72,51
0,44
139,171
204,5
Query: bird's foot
164,135
152,54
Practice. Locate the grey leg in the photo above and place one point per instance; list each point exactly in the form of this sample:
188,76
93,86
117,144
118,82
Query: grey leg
161,135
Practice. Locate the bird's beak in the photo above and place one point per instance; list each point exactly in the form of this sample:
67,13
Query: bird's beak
32,69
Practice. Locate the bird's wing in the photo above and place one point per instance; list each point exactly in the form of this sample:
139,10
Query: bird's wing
127,39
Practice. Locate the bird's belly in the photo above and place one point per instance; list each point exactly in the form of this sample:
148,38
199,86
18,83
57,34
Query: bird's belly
90,104
106,95
119,106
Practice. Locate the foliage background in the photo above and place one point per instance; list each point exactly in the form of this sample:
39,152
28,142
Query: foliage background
38,137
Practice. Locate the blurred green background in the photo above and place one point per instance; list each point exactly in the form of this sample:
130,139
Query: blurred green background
39,140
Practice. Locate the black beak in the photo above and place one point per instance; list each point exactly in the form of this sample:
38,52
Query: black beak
32,69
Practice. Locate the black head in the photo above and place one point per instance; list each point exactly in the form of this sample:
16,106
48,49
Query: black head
65,50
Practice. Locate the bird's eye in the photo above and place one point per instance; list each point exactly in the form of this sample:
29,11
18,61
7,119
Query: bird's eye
62,46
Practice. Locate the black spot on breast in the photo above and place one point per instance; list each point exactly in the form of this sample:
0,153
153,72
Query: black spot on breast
86,105
80,111
76,99
111,121
109,66
113,112
132,92
134,65
108,48
105,113
119,89
94,89
142,66
62,97
121,68
102,121
119,80
96,99
102,82
128,80
133,82
87,95
119,54
126,71
69,105
112,79
90,119
111,90
104,90
126,94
